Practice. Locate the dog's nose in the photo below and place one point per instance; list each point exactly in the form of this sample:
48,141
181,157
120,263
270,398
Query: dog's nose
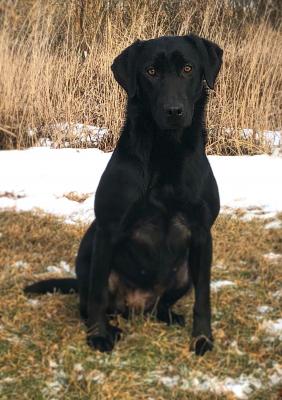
174,111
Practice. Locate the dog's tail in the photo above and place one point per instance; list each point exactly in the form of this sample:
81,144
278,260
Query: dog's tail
64,285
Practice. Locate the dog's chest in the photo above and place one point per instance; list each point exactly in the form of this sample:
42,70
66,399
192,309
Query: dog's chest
152,260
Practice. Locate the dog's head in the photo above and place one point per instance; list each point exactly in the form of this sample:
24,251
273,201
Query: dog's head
166,75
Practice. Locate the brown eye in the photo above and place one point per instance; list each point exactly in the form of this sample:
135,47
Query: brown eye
151,71
187,68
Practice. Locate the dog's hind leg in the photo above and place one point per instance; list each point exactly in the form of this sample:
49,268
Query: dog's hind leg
83,262
164,312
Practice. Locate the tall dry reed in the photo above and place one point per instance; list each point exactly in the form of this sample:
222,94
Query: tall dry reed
55,62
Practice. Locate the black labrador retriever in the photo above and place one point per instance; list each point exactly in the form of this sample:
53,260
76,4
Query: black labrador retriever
157,199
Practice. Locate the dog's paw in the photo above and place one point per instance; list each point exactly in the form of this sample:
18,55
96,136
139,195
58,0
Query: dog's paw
171,318
100,343
105,340
201,345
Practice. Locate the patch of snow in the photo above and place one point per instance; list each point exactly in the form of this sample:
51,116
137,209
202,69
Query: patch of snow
264,309
277,294
76,133
219,266
39,178
216,285
274,225
20,264
253,212
58,382
8,379
271,138
273,256
45,142
61,268
276,377
240,387
33,302
96,376
168,381
241,179
272,328
78,367
53,364
45,175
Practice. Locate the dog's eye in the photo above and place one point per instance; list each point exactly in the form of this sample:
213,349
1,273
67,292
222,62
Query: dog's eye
151,71
187,68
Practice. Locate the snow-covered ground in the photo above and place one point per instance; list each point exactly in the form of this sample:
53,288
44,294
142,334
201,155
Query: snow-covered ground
40,177
44,178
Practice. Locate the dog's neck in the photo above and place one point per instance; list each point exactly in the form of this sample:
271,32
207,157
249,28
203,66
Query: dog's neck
141,135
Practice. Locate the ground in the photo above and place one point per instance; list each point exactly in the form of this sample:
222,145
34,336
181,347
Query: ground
43,350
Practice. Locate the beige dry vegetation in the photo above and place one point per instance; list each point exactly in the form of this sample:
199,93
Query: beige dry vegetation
55,62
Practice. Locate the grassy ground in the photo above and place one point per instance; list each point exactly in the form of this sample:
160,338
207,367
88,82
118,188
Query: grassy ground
42,343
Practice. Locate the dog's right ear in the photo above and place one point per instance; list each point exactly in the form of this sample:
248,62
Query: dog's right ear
124,68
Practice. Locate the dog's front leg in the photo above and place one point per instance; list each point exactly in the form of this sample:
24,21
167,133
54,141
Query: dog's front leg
101,335
200,267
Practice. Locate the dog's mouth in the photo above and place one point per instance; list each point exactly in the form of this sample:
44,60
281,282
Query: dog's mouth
177,124
173,125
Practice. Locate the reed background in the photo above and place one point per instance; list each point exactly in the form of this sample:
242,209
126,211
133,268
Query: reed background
55,59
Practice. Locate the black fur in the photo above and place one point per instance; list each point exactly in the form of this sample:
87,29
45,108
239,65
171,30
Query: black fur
65,286
157,198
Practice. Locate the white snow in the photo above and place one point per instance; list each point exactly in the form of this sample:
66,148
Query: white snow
264,309
20,264
76,132
273,225
241,387
45,175
169,381
277,294
57,383
271,138
61,268
272,328
40,177
249,182
216,285
219,266
275,257
33,302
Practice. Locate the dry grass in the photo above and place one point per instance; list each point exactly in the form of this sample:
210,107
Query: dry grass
55,62
78,197
42,345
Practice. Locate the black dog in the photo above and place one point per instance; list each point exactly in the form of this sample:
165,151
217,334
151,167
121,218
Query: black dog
157,199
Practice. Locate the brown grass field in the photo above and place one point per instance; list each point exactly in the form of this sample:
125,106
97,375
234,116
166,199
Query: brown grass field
55,59
43,351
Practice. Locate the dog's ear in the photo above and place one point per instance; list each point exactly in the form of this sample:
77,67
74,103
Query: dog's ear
211,55
124,68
